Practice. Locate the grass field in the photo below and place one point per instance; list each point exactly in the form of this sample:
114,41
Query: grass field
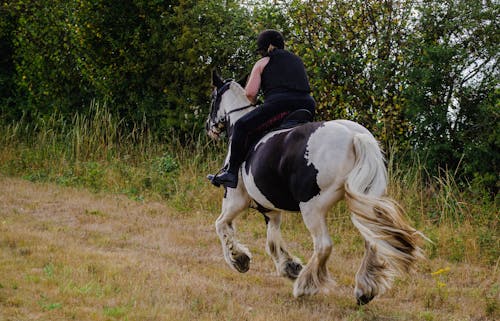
104,222
72,254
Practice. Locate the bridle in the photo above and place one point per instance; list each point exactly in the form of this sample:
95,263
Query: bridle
240,109
221,124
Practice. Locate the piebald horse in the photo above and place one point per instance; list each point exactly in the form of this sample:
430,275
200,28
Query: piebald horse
309,168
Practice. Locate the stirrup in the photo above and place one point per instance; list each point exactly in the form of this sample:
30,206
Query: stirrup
211,177
227,179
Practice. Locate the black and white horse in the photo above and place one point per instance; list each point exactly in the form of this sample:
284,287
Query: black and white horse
309,168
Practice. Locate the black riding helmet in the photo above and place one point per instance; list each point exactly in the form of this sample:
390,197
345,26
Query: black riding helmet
270,37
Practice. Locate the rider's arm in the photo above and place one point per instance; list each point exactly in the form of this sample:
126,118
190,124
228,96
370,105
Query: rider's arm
253,84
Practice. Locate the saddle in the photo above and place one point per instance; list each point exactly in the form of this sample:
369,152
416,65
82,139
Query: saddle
291,120
295,118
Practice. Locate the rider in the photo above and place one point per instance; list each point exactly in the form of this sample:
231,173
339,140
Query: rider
282,77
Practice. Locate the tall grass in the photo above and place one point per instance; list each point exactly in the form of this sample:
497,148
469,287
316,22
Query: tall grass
99,151
462,222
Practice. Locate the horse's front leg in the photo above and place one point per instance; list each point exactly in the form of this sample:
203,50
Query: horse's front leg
236,255
286,265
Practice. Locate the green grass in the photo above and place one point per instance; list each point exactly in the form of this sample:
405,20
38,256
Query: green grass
73,254
98,152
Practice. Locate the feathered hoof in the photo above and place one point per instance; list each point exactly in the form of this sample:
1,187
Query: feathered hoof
307,291
292,270
305,285
362,298
242,263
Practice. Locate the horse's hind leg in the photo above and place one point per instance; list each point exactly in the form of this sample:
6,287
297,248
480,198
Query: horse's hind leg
286,265
371,276
236,255
314,276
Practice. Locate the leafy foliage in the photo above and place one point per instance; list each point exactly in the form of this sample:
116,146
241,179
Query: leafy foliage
451,80
145,58
7,68
421,75
354,50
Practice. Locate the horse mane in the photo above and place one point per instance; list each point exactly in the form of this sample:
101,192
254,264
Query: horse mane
237,86
237,98
238,89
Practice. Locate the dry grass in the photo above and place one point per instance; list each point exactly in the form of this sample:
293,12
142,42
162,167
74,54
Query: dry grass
69,254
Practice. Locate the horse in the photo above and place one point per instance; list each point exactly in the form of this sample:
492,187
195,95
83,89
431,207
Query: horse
308,169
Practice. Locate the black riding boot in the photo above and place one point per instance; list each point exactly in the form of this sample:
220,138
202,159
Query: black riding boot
228,178
240,141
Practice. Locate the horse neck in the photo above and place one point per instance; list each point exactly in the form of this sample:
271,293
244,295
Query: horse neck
233,117
238,100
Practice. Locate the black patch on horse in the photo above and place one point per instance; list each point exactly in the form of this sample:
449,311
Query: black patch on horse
280,169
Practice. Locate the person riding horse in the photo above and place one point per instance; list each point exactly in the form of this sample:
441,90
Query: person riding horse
283,79
308,169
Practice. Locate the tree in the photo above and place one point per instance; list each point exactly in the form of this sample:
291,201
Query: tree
145,58
354,50
451,81
7,68
421,75
44,77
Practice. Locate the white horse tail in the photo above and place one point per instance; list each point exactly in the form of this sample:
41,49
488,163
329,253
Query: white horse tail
391,244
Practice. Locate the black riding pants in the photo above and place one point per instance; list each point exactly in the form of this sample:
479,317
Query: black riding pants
266,116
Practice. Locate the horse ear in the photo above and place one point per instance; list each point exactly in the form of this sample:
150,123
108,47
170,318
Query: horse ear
217,80
243,80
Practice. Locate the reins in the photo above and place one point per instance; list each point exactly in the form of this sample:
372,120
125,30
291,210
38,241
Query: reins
240,108
226,116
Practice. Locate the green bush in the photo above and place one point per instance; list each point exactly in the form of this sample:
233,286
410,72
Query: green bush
422,76
146,58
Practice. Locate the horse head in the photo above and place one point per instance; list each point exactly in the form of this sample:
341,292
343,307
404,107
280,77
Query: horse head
228,104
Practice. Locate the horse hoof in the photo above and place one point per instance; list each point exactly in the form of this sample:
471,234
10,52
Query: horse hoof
302,292
242,263
364,299
292,270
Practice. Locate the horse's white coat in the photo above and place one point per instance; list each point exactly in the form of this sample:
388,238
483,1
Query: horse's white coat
235,97
330,162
